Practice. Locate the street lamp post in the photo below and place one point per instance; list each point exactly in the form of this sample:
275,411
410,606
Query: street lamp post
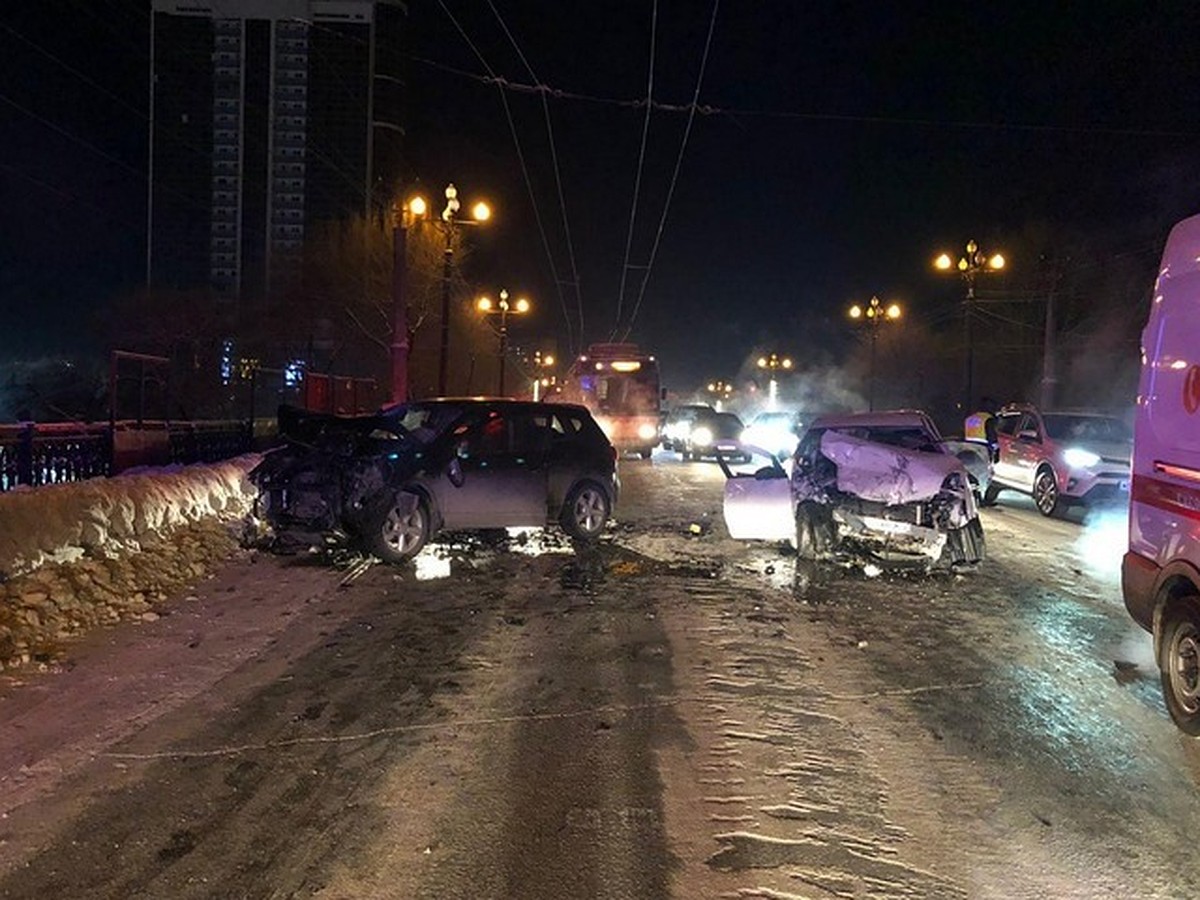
969,266
502,308
543,363
480,212
402,216
772,363
874,313
721,391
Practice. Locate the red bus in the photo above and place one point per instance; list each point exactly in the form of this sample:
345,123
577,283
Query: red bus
620,386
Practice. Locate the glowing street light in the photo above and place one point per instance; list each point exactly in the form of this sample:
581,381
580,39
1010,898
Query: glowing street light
973,263
772,363
721,391
480,213
502,308
874,314
403,216
543,375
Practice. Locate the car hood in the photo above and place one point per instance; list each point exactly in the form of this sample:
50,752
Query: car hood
1121,450
887,474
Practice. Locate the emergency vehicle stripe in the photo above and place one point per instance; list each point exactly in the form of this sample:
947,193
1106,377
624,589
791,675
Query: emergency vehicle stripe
1181,499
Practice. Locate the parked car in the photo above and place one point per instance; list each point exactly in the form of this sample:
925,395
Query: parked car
776,431
393,480
678,424
713,434
1061,458
1160,573
882,488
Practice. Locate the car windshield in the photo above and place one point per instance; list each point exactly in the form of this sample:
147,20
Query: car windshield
1087,428
422,422
773,420
722,423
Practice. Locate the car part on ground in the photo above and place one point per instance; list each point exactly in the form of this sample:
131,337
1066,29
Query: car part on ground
390,482
1061,459
870,488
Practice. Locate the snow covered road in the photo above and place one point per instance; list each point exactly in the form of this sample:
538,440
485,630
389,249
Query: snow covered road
674,714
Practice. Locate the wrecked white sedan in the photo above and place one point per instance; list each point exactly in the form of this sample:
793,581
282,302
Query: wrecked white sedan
879,488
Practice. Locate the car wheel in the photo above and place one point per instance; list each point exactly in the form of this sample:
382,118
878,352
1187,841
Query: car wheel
646,452
585,512
990,495
1045,492
814,531
402,529
685,454
1180,664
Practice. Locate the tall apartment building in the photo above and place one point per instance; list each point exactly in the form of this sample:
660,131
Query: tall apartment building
266,117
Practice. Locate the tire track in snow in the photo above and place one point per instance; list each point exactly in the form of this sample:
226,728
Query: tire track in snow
794,804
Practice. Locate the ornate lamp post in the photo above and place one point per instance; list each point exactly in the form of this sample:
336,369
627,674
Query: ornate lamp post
480,213
502,308
543,363
873,314
969,266
720,391
403,215
772,363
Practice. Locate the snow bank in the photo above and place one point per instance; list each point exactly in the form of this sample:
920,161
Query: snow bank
77,556
107,516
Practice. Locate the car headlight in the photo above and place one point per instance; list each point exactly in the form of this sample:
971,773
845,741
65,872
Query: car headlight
702,436
1078,458
646,432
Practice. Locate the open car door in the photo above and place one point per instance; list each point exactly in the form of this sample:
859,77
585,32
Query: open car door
758,498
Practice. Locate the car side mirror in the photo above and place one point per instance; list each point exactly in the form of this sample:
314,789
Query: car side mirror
454,473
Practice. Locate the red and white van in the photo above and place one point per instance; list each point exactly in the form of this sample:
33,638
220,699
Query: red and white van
1160,574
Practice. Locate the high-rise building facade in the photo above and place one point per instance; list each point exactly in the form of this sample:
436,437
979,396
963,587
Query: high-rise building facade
267,116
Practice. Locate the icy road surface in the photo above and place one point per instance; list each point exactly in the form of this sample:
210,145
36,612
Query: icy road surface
672,714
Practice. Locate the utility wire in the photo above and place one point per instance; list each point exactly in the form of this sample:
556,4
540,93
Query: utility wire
637,184
517,143
562,203
712,23
733,112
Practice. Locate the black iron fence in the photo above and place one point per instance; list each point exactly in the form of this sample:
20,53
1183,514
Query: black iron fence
36,454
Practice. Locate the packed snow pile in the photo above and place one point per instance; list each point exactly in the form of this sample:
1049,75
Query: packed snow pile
106,516
73,556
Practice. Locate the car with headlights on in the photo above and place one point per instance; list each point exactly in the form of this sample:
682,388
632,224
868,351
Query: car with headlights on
391,481
1062,458
714,434
678,423
876,489
776,431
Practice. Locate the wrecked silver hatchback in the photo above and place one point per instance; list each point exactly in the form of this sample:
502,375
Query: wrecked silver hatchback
391,481
879,489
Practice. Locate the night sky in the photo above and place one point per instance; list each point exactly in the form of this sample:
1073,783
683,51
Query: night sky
839,148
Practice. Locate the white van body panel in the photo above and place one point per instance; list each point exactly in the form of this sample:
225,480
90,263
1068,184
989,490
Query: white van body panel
1164,520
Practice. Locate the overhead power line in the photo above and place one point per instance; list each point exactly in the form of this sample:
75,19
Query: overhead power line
562,204
705,109
520,153
712,23
637,184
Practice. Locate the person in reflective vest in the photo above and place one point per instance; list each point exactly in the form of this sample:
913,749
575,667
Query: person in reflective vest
981,426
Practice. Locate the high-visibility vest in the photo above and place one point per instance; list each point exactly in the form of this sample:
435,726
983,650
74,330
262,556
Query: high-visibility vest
975,426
